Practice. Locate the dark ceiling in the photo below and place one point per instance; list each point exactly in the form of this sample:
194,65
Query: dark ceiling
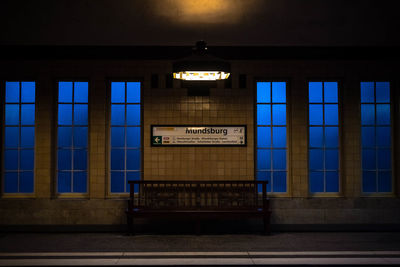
182,22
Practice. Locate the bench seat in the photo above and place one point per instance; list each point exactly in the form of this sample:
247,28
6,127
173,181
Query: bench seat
198,201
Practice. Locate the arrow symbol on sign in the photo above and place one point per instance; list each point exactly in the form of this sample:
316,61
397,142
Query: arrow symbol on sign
157,140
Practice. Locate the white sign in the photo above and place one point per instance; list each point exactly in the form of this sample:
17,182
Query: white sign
213,135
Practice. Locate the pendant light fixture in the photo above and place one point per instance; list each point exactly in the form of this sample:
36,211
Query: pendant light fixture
201,66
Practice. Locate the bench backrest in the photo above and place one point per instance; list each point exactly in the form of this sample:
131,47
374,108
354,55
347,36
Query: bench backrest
187,195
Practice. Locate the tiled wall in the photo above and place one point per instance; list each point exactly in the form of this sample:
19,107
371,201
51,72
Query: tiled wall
224,106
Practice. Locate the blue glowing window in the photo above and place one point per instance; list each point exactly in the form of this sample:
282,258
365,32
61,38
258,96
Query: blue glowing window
125,135
376,137
271,164
19,137
323,153
72,137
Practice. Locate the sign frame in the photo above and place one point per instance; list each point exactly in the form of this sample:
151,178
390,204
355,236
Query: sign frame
197,125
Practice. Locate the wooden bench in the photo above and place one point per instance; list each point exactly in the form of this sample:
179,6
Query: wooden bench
198,200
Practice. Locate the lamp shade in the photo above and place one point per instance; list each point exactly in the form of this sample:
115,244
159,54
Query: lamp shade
201,66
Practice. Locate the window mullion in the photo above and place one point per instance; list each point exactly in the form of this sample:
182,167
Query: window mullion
72,137
125,130
20,139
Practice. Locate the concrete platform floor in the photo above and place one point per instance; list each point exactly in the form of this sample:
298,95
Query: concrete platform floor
283,249
119,242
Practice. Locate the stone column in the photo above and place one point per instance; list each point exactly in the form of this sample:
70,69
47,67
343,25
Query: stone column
351,134
44,143
98,105
299,134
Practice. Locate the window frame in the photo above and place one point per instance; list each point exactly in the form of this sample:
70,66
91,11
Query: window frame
109,81
394,167
287,80
55,138
340,84
2,136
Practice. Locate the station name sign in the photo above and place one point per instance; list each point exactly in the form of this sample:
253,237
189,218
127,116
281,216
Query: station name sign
198,135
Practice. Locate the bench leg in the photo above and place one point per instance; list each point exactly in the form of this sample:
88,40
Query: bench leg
131,229
267,229
198,227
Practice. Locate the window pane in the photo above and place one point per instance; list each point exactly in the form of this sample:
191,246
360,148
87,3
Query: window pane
10,160
133,114
368,159
11,182
11,137
133,159
80,114
80,136
383,136
19,141
27,114
263,92
12,114
81,92
367,92
385,182
369,181
26,182
65,92
65,114
264,114
279,92
117,182
80,183
263,159
316,182
332,181
331,137
80,159
316,138
331,159
132,176
264,176
133,92
27,137
64,159
117,136
367,114
12,92
279,159
368,136
315,92
382,92
331,114
133,137
64,182
117,92
26,159
331,92
117,159
383,114
27,92
384,159
64,136
278,114
279,137
117,115
316,159
315,114
263,136
279,182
